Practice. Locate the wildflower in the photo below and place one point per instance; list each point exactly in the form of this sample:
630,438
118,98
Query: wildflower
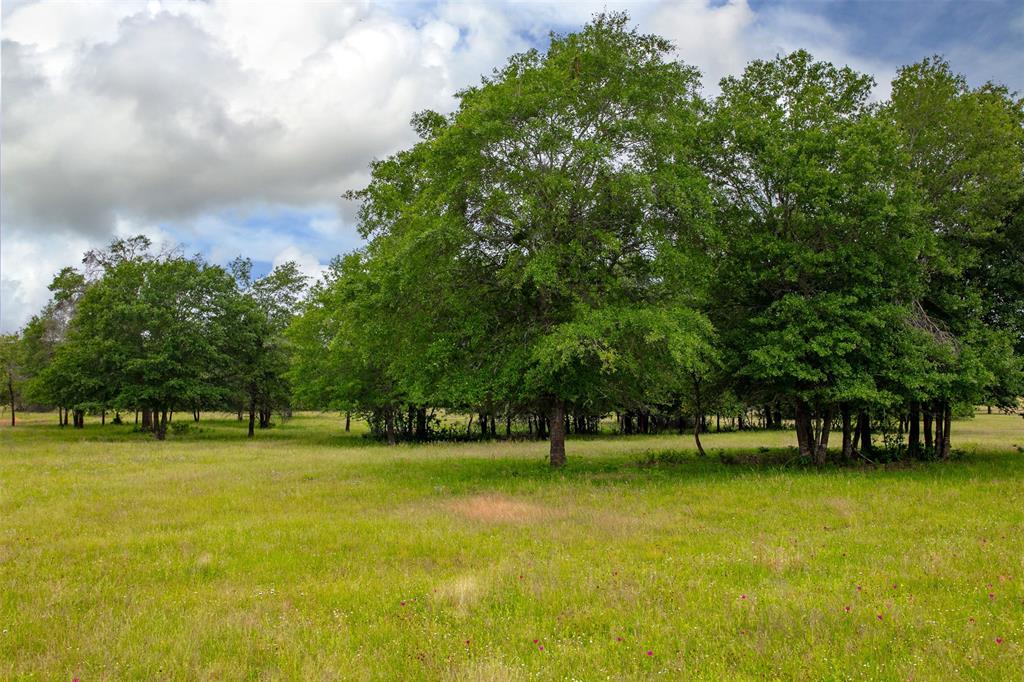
999,640
879,616
618,639
403,603
991,595
650,653
971,621
743,596
847,609
541,647
534,641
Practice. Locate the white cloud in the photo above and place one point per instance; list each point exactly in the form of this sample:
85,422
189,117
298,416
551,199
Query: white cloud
27,267
308,263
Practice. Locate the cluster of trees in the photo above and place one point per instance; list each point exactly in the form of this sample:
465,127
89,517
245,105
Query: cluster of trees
152,333
586,235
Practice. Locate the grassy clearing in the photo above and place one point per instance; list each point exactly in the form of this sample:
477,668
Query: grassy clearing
311,554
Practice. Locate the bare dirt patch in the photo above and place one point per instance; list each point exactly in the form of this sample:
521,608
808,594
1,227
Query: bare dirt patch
492,508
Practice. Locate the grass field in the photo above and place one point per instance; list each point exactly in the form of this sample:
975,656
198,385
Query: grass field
312,554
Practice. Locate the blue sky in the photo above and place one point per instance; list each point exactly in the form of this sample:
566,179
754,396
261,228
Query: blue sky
234,128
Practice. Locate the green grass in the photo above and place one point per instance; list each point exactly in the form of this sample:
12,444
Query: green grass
311,554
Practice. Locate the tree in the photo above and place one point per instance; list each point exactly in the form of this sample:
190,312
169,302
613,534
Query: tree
966,151
559,222
11,369
259,315
342,357
820,261
148,333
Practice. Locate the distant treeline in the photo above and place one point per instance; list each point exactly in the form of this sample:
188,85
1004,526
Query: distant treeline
588,235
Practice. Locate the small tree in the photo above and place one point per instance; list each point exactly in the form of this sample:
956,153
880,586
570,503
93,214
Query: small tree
12,370
255,326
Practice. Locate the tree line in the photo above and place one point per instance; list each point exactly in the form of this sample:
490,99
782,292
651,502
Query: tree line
587,235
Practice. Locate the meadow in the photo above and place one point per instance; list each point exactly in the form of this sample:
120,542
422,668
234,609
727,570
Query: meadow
309,553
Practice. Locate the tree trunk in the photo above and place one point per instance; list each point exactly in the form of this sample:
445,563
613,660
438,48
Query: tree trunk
804,434
421,424
821,448
159,423
847,435
696,436
103,417
557,451
508,425
252,419
195,415
389,426
147,419
864,426
928,427
914,432
348,421
946,427
240,413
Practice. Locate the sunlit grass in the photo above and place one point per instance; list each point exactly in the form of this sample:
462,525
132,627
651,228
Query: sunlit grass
314,554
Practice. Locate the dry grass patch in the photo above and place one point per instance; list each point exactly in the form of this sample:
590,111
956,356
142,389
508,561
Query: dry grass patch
844,508
485,670
461,593
493,508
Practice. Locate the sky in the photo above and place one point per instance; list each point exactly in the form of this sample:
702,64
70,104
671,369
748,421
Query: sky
233,128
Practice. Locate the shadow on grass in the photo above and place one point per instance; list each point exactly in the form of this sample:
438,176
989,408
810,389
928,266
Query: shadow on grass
295,431
457,467
671,467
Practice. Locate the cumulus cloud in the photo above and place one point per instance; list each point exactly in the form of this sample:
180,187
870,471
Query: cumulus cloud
234,127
